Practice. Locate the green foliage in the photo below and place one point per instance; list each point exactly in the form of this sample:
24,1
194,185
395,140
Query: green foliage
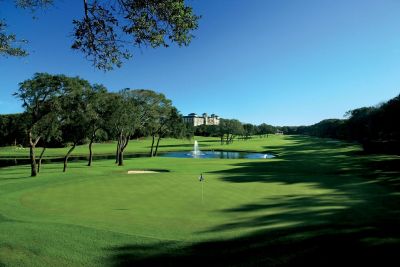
98,108
134,110
12,130
40,97
158,109
175,125
76,111
229,128
375,127
108,29
248,130
33,4
40,100
245,130
264,129
9,45
69,110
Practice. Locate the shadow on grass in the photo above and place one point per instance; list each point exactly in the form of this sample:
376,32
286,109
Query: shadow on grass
308,246
4,219
15,178
357,222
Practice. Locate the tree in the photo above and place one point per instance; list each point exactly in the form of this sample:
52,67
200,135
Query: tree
131,113
39,96
248,130
360,123
330,128
117,110
76,112
159,111
51,130
108,28
234,128
9,45
228,129
97,113
186,131
222,129
265,129
173,126
177,127
389,113
12,129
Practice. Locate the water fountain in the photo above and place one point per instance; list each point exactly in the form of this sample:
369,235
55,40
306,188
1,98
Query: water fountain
196,151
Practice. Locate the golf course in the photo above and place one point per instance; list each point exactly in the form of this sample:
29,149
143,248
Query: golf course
189,133
318,202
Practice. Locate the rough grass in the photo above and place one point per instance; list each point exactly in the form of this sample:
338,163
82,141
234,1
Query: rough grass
319,202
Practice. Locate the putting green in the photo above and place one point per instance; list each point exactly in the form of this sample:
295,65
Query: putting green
82,216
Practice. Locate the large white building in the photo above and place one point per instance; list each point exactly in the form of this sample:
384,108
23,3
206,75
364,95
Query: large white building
195,120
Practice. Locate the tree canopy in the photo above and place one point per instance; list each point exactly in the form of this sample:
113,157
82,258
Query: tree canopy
40,100
72,110
108,30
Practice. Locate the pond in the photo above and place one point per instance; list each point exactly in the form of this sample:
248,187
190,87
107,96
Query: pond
217,155
177,154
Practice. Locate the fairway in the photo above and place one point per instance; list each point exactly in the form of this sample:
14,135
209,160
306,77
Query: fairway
316,200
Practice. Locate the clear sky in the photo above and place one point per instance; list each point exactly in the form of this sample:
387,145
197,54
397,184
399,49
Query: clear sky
280,62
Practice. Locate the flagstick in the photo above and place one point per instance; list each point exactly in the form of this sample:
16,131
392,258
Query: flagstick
202,192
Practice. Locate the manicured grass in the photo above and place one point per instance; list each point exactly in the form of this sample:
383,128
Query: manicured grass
318,202
135,146
143,146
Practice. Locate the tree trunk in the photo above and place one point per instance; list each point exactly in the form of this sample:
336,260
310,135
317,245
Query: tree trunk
67,156
152,145
123,144
117,152
121,158
222,139
90,150
32,156
158,142
40,158
33,160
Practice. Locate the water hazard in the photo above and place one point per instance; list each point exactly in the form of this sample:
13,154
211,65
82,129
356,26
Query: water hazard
217,155
177,154
196,153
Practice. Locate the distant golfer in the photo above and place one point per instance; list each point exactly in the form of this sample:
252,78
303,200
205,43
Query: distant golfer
201,178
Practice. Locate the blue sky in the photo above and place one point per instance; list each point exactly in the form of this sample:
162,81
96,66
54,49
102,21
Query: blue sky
280,62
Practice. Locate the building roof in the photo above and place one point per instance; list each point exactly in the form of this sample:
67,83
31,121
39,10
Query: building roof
204,114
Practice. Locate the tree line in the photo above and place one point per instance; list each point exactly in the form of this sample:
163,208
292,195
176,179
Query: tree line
376,127
61,110
230,129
